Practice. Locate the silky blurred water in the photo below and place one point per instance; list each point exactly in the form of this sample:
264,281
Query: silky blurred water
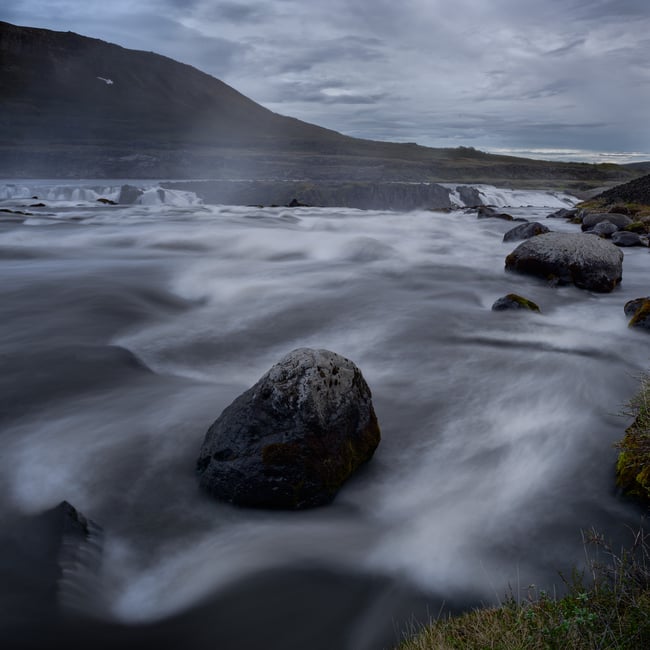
126,330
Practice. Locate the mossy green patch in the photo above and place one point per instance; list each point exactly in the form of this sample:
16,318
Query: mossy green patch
607,608
524,303
641,317
638,227
633,464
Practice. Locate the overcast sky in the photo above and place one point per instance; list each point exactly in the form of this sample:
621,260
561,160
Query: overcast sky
562,79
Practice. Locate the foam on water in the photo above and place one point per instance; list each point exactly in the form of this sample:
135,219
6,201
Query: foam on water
497,428
86,194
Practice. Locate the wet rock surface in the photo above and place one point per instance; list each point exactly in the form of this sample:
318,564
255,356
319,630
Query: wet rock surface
514,301
591,219
639,311
525,231
295,437
49,564
587,262
624,238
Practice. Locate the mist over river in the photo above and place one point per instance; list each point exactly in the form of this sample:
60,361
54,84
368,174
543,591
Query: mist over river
126,330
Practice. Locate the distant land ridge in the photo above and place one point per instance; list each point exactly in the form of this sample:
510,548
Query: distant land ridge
78,107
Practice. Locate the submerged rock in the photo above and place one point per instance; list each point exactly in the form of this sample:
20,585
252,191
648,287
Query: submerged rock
295,437
525,231
563,213
514,301
632,306
588,262
50,565
486,212
624,238
604,229
294,203
639,310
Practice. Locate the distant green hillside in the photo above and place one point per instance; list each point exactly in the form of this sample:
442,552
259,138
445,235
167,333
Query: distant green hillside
72,106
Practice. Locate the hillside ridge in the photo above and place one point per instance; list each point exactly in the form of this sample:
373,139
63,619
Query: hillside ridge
74,106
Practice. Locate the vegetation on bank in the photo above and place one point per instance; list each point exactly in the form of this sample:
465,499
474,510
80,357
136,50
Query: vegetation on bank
638,212
632,198
633,465
607,606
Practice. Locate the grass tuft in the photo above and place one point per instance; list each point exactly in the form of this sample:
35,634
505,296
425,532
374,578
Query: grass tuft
605,607
633,465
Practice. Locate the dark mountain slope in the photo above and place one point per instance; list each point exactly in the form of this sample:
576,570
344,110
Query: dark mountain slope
57,85
72,106
636,191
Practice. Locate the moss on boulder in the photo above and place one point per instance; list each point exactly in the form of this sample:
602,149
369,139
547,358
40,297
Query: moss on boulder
639,310
514,301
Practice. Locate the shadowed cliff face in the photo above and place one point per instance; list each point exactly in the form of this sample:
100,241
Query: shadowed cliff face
79,107
92,90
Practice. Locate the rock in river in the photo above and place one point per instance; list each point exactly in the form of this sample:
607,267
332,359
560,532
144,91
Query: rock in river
593,218
295,437
525,231
624,238
514,301
639,310
590,263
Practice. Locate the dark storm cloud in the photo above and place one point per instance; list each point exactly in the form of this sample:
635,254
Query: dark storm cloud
565,49
237,12
329,92
558,74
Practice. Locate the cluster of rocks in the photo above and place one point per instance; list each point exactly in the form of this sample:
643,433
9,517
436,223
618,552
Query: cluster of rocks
308,424
593,263
612,225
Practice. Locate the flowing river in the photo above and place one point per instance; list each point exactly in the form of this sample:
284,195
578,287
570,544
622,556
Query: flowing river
126,330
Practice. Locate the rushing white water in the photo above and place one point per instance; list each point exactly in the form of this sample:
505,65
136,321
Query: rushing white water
497,427
57,194
504,197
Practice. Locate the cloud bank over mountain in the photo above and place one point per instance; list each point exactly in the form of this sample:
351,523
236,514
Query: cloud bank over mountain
509,75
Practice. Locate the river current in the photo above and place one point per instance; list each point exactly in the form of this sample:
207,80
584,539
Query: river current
126,330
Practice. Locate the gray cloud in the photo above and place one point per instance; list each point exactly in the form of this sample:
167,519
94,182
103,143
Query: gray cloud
517,74
238,12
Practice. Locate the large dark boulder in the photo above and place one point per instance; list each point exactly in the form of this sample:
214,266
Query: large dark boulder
525,231
590,263
295,437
